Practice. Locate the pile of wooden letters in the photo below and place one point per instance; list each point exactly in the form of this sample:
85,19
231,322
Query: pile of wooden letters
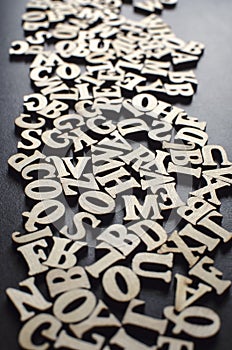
102,155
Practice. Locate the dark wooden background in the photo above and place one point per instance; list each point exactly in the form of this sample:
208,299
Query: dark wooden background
209,21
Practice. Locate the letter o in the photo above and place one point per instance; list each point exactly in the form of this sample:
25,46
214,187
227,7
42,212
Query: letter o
34,16
99,197
81,312
144,102
42,195
68,71
112,288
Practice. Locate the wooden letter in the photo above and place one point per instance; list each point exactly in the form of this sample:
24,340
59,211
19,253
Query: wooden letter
34,299
182,248
149,207
34,215
61,258
59,281
182,298
136,319
96,320
112,288
66,341
195,210
124,341
31,327
152,258
33,256
174,344
79,313
96,202
193,329
117,236
210,276
141,229
107,260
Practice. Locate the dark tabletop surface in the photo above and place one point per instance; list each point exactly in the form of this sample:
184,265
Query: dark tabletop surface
208,21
